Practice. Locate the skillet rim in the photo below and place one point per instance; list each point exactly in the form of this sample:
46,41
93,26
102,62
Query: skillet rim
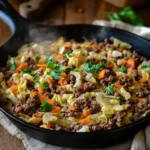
13,117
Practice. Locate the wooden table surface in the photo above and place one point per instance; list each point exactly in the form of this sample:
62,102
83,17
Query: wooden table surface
66,12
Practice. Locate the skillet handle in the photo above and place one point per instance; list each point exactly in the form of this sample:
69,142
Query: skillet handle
11,17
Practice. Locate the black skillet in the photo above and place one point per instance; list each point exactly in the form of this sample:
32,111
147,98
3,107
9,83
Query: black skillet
24,32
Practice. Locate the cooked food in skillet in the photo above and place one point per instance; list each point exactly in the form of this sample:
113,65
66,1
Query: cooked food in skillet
77,87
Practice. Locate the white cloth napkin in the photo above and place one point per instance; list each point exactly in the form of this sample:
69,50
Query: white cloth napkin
141,140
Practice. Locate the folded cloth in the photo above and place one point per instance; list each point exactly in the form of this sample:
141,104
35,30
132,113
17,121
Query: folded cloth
141,140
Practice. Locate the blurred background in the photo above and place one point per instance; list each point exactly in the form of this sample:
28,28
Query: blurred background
53,12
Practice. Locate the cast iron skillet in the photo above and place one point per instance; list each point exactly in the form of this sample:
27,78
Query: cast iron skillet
24,32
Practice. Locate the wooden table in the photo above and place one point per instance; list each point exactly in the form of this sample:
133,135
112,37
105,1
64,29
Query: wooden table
66,12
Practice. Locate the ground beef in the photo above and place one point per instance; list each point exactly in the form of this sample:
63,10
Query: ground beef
28,107
92,48
57,127
48,94
119,117
8,74
71,79
144,90
31,62
93,60
108,79
68,49
137,58
74,127
125,81
88,103
30,84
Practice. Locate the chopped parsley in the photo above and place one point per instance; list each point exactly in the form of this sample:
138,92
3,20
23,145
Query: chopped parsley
146,66
13,64
27,70
67,70
49,59
109,89
45,86
46,107
123,69
37,58
36,77
93,68
68,55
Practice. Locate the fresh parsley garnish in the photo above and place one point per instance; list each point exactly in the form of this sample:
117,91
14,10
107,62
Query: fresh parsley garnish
13,64
37,58
123,69
46,107
50,64
36,77
93,68
146,66
109,89
127,15
49,59
27,70
55,73
45,86
68,55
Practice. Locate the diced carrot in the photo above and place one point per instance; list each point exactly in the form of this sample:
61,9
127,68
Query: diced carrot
22,66
88,44
73,108
86,112
85,120
48,125
41,91
101,74
46,99
120,49
41,65
41,61
143,79
10,83
130,64
67,45
32,94
62,81
49,80
14,89
117,85
56,109
37,115
123,62
63,74
140,100
59,56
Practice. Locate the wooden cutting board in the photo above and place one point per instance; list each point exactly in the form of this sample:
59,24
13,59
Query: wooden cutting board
33,8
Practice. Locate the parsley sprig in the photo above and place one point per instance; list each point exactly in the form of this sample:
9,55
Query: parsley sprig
109,89
13,64
123,69
45,86
46,107
27,70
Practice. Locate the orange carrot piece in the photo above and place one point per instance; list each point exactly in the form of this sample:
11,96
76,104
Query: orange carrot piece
41,65
62,81
50,80
48,125
86,112
63,74
56,109
52,102
101,74
14,89
22,66
40,90
140,100
10,83
143,79
88,44
46,99
120,49
32,94
41,61
130,64
117,85
59,56
85,120
123,62
73,108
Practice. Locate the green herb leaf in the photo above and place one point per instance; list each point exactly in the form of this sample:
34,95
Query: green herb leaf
127,15
146,66
93,68
46,107
68,55
27,70
49,59
45,86
109,89
50,65
37,58
36,77
123,69
54,75
13,64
